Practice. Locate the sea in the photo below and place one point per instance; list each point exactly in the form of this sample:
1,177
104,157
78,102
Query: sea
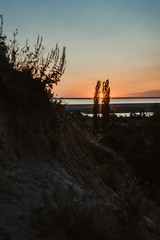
72,101
79,101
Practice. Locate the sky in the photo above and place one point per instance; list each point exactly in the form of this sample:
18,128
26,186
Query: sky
117,40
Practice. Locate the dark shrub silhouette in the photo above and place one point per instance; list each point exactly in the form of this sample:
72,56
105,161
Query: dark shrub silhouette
26,76
96,106
105,102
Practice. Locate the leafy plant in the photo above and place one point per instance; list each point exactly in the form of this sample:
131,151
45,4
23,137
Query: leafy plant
46,70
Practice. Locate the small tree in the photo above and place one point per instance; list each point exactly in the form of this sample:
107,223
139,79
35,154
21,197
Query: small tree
105,102
96,107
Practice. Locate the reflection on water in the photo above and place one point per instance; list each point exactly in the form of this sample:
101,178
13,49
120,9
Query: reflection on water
147,114
83,101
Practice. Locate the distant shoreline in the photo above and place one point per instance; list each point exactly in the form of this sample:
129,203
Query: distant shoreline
111,98
115,107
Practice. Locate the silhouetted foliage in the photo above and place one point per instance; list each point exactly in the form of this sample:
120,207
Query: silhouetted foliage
27,75
136,139
96,105
48,69
105,102
156,110
3,46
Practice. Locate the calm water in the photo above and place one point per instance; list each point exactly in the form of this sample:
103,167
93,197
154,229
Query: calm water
74,101
71,101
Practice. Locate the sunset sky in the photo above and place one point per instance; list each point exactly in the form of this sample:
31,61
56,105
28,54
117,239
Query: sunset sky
115,39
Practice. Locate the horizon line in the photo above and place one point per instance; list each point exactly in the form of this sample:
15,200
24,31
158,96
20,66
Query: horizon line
101,98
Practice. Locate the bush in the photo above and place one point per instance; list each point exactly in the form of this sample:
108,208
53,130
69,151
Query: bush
26,75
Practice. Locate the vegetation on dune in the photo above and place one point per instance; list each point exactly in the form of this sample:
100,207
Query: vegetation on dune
84,220
24,66
134,138
46,153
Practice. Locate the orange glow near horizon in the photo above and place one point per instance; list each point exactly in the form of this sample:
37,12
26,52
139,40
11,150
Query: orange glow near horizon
103,41
122,83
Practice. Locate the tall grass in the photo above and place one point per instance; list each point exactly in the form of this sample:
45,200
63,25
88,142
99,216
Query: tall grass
23,69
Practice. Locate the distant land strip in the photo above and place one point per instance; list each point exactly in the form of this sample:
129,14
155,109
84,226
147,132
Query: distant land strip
115,108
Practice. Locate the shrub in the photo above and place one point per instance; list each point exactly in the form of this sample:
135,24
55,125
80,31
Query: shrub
28,74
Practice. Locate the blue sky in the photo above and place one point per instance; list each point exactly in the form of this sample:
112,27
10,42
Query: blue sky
115,39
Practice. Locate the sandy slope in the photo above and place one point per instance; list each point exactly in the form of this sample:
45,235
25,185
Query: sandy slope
50,184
